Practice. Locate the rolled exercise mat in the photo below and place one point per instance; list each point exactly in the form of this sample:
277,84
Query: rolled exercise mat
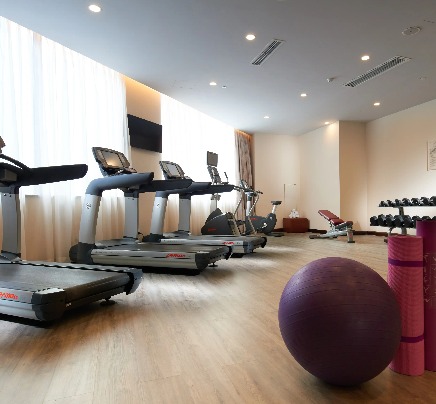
427,230
405,277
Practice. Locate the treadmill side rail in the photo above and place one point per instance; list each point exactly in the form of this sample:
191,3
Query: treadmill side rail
44,305
160,258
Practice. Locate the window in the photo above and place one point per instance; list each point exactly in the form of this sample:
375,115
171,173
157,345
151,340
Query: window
55,104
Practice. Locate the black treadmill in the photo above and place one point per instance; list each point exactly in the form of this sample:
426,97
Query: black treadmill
240,244
42,290
172,258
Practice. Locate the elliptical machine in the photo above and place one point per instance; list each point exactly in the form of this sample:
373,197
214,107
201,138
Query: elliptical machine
217,222
263,224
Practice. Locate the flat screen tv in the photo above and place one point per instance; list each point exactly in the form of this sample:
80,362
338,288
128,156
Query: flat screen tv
144,134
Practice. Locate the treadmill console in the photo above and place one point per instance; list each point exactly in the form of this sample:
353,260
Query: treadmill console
112,162
212,159
172,171
212,163
8,174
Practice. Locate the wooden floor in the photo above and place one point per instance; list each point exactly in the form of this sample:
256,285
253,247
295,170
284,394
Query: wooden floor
211,338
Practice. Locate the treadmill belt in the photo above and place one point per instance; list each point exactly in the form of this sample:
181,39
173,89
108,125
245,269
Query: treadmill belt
76,283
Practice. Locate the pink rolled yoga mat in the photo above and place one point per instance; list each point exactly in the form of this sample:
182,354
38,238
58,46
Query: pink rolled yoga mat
427,230
405,277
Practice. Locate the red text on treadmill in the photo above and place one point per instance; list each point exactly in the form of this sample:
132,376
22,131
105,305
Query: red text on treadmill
228,243
12,296
173,255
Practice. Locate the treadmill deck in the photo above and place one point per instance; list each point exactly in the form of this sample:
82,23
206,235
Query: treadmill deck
158,255
239,244
44,292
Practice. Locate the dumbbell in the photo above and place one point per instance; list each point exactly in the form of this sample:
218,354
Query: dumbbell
406,202
383,204
424,201
414,219
381,220
428,201
373,221
426,218
403,221
390,221
398,202
386,220
416,202
408,222
433,200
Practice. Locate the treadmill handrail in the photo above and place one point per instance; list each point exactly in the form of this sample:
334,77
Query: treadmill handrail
42,175
98,185
194,187
164,185
213,189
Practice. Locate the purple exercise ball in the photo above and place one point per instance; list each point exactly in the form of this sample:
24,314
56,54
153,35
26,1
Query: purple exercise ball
340,320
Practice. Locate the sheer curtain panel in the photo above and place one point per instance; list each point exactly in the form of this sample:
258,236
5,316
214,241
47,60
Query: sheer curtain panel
55,104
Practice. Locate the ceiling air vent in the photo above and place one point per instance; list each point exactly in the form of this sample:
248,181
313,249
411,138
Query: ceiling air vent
269,49
384,67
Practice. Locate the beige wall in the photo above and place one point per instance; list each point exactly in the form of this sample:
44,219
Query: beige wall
144,102
276,168
319,174
349,167
353,173
397,159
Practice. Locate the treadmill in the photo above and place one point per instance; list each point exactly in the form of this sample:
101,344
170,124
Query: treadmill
241,245
129,250
45,290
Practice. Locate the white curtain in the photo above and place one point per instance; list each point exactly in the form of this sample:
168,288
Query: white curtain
187,136
55,104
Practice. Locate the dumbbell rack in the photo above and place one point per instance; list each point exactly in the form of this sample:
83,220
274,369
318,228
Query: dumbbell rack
401,220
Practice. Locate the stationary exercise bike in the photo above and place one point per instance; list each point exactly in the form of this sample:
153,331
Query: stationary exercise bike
263,224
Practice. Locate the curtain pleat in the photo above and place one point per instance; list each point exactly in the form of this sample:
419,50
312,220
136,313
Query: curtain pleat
243,147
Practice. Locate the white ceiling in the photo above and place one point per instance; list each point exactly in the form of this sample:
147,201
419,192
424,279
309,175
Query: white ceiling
178,46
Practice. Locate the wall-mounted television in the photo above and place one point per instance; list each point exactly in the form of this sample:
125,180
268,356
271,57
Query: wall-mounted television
144,134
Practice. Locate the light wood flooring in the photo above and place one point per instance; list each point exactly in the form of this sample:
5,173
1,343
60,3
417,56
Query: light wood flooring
211,338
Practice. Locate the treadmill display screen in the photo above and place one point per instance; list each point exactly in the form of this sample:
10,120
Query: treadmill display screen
212,159
171,170
112,159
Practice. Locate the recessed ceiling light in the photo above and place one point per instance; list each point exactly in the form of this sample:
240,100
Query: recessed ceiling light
224,86
326,123
411,31
266,117
250,37
94,8
365,57
303,95
212,83
376,104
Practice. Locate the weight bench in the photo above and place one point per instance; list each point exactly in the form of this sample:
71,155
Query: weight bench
338,227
